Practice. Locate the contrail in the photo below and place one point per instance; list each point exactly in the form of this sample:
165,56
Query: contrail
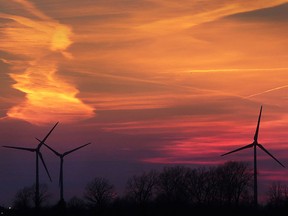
267,91
244,70
165,84
234,70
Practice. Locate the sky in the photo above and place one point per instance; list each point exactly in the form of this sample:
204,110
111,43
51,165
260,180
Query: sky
150,83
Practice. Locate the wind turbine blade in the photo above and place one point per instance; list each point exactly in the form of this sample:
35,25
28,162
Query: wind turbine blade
21,148
41,157
247,146
68,152
55,152
258,124
262,147
43,141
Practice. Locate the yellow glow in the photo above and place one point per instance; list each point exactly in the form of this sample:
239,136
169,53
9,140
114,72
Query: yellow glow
48,97
60,38
172,45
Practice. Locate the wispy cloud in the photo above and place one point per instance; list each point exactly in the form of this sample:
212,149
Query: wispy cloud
203,11
38,40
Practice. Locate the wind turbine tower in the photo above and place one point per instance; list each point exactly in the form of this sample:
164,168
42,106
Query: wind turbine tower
254,145
38,155
61,156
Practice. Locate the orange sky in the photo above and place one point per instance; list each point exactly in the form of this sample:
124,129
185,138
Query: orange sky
168,80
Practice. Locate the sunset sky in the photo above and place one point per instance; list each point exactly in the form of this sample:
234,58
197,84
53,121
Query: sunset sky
149,83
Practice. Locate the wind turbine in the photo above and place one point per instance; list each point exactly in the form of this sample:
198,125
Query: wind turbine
38,154
255,144
61,156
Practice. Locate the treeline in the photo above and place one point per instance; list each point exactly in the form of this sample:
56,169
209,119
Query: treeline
225,189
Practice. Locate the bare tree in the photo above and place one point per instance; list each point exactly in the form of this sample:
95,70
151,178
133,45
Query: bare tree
234,179
76,206
141,188
25,198
172,185
44,194
99,192
200,185
277,194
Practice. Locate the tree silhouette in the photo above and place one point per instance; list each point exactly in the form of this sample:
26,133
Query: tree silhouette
24,198
172,185
199,185
277,194
234,181
99,193
141,189
76,206
174,190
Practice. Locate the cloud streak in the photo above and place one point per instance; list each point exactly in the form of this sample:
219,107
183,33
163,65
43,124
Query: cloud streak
203,12
37,42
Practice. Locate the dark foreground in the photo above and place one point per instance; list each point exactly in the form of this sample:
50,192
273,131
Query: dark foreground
151,211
